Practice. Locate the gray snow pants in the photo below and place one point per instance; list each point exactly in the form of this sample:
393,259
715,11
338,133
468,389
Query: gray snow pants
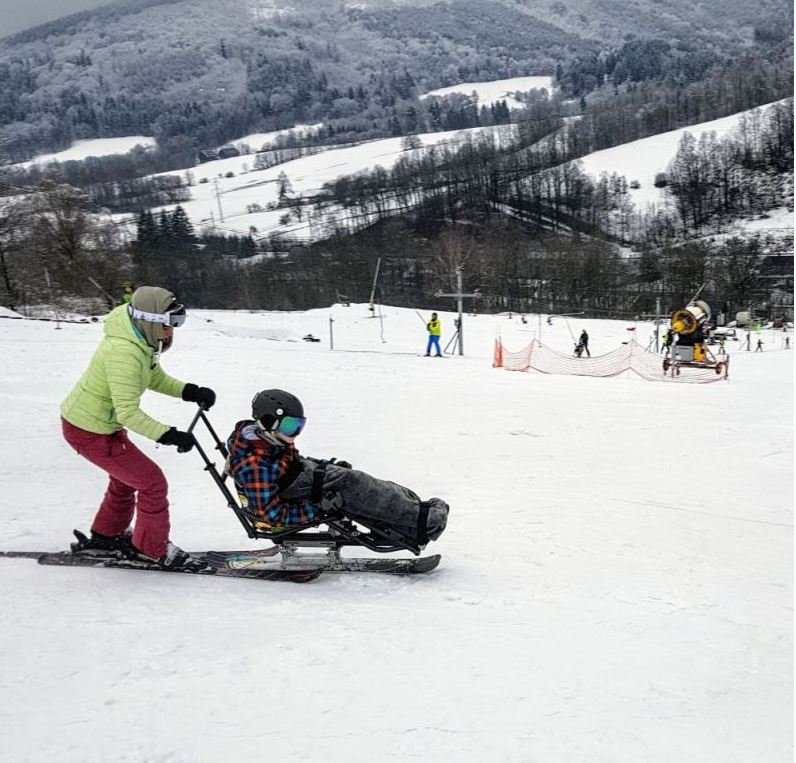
358,495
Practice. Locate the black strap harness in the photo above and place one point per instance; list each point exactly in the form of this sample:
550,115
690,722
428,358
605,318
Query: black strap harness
422,523
318,475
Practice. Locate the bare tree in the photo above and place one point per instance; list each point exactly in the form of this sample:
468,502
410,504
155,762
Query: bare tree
452,251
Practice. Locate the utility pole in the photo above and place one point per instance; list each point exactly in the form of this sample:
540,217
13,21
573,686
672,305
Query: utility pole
375,280
657,322
218,200
459,296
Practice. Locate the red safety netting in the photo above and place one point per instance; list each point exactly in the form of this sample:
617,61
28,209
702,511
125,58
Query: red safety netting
629,357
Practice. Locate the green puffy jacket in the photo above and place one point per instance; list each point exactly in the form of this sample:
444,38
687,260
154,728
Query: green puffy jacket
108,395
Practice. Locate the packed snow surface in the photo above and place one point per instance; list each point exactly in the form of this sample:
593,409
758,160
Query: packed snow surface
616,582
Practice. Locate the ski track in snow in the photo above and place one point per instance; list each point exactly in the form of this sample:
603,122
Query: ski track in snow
616,582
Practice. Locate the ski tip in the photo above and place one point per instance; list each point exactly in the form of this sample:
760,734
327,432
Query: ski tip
22,554
428,563
306,576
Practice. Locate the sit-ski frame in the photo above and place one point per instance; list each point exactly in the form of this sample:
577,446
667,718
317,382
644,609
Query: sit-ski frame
341,531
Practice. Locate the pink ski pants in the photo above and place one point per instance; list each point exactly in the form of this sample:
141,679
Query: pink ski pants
130,472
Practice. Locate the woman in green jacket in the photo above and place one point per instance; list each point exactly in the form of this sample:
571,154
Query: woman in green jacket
106,402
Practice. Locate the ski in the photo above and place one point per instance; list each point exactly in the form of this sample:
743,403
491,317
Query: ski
257,553
327,563
67,559
253,563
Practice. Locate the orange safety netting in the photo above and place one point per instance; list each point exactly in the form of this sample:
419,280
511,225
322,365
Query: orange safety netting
629,357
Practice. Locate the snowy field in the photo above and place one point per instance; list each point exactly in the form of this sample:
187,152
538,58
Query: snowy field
487,93
83,149
616,582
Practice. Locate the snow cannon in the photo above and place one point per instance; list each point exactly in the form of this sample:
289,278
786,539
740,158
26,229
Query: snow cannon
687,339
689,319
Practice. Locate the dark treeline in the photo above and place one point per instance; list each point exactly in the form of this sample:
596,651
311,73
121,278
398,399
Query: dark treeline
55,250
52,251
513,268
654,107
659,60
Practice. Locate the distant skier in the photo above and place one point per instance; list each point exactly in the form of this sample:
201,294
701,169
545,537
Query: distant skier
105,403
280,488
667,340
759,345
583,341
434,331
127,292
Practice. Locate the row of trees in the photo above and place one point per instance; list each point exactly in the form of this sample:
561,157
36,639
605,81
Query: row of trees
714,180
513,268
746,172
52,251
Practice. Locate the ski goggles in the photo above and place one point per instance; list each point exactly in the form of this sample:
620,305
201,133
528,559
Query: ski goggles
175,316
290,426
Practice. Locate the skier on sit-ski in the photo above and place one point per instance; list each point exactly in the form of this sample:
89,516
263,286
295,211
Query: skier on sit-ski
281,489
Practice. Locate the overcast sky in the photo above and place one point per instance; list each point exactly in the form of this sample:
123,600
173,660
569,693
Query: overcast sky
16,15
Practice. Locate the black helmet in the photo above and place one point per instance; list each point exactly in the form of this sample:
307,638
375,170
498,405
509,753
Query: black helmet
270,406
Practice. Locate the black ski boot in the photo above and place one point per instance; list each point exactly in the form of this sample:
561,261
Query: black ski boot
119,546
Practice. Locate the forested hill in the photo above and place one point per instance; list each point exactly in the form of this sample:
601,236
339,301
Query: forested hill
195,73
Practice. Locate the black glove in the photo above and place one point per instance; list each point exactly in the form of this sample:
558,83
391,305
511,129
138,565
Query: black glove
291,475
344,464
183,440
204,396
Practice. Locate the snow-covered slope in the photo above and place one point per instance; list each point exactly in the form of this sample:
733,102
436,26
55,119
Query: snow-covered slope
257,141
643,159
487,93
83,149
616,582
246,186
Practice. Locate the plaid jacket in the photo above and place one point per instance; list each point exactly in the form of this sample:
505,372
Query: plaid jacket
256,466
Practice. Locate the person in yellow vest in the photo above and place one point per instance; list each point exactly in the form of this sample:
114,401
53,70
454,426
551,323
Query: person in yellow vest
127,294
434,330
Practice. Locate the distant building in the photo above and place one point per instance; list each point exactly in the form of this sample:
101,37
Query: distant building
228,151
207,155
